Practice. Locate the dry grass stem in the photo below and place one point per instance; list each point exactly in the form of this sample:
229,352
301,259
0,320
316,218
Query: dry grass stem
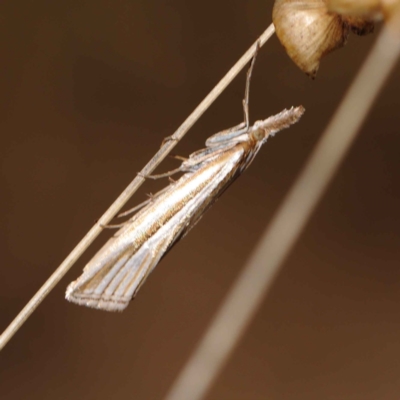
250,288
129,191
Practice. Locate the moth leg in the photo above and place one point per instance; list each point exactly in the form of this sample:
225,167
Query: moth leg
113,226
221,138
134,209
180,158
164,175
151,197
158,176
247,90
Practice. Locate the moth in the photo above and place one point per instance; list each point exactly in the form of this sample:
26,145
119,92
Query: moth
116,273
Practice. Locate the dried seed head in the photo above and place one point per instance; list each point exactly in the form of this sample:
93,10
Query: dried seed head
372,9
390,7
308,30
359,25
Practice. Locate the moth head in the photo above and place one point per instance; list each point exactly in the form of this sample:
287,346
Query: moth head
258,134
268,127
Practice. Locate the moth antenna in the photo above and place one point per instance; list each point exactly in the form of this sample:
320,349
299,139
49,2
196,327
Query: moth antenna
246,99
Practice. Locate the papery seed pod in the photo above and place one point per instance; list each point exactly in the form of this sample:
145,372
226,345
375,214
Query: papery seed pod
390,7
359,25
373,9
309,31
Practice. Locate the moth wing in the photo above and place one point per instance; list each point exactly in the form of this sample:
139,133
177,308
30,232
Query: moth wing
115,274
227,135
118,270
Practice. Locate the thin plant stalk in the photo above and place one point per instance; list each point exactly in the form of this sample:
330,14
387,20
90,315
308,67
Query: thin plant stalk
165,149
250,288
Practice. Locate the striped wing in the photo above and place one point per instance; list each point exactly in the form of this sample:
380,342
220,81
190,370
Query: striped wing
118,270
115,274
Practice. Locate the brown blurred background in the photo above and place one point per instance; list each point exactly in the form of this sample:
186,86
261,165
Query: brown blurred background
88,91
